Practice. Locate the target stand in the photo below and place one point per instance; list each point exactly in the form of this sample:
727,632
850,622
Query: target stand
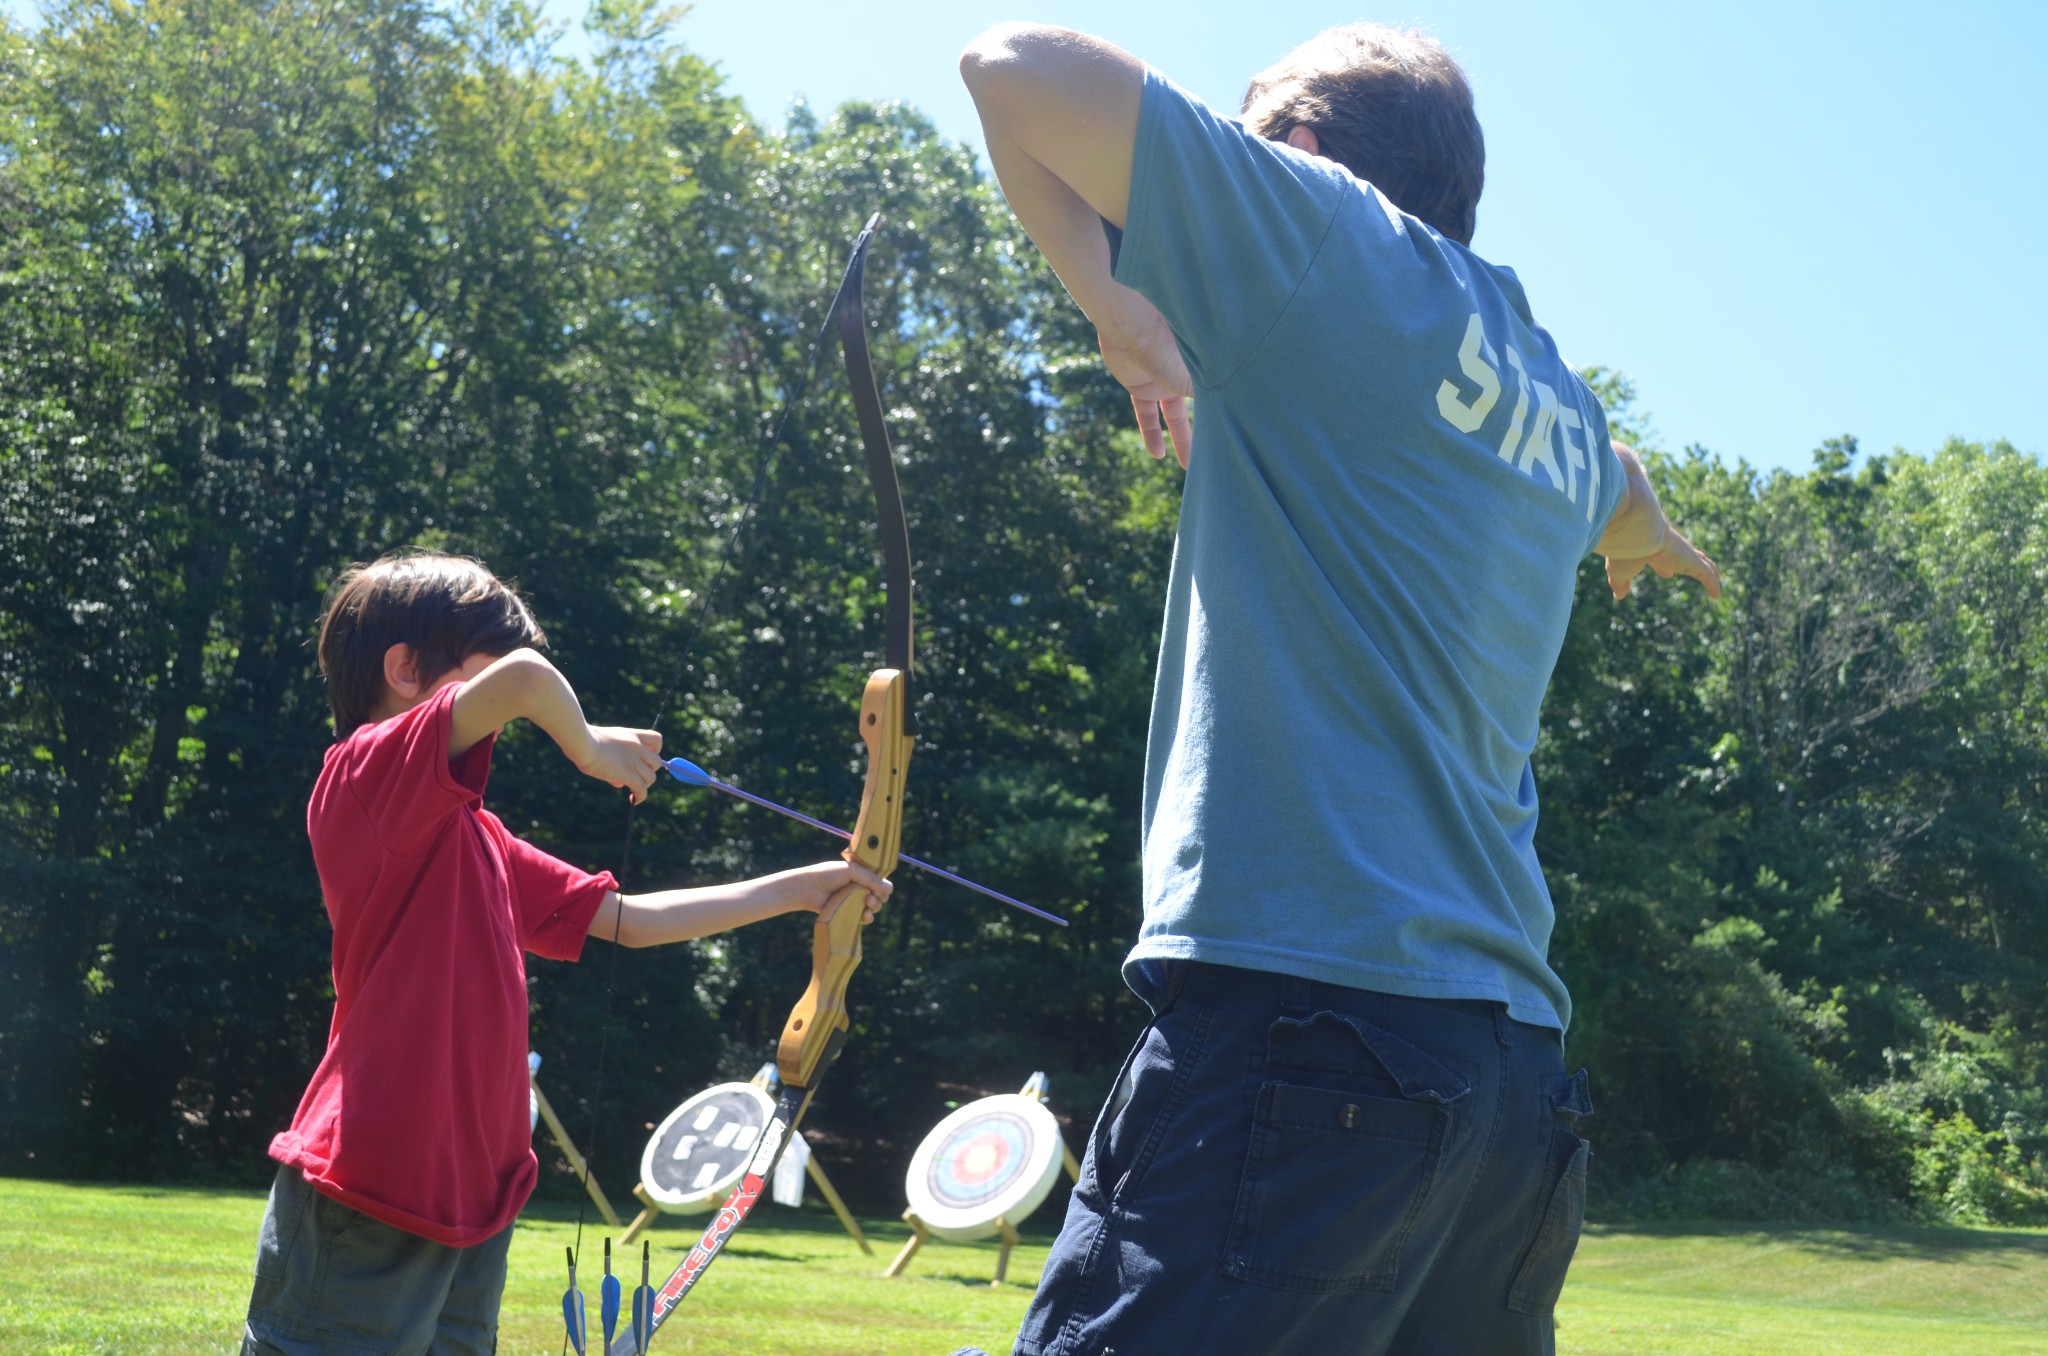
541,1111
699,1153
982,1171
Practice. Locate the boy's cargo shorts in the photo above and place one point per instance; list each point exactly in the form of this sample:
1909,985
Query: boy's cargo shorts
331,1279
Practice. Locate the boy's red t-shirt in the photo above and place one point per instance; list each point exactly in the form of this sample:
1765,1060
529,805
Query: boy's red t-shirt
418,1114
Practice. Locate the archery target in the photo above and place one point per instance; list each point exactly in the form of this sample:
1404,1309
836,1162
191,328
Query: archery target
992,1159
699,1154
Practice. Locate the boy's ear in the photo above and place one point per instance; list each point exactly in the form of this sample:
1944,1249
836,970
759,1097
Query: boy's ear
402,671
1303,138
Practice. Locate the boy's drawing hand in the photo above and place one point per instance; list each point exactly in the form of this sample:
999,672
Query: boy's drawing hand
815,887
623,757
1139,349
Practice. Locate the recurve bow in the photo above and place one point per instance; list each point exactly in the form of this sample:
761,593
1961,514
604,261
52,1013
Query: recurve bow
818,1024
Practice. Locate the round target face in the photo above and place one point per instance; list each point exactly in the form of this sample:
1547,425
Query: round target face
699,1154
993,1159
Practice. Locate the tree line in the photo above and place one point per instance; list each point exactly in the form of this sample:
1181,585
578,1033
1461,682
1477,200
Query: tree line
285,284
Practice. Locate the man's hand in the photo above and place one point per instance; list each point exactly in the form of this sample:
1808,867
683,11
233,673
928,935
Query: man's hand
1677,556
622,757
1139,349
1639,536
1059,115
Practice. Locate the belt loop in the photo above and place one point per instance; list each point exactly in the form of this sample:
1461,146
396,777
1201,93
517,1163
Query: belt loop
1297,995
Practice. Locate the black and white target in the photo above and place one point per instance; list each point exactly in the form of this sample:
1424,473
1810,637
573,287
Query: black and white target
993,1159
699,1154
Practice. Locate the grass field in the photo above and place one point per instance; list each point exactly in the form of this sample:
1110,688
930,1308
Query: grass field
164,1271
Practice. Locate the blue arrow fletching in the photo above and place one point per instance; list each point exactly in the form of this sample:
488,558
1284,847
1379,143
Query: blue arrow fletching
610,1310
643,1308
608,1298
683,770
572,1315
572,1307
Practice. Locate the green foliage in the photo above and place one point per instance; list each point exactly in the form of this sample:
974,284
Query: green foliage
1796,847
284,286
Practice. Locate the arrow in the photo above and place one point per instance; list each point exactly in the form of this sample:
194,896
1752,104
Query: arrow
643,1308
683,770
572,1306
608,1303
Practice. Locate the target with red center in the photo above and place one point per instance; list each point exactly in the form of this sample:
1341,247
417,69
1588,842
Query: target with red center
993,1159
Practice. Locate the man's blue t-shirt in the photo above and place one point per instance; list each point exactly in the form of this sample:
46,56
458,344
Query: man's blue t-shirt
1393,481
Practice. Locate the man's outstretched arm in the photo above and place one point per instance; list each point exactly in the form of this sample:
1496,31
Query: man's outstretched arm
1059,111
1639,536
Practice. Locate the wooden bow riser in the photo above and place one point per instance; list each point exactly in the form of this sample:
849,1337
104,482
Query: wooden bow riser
820,1015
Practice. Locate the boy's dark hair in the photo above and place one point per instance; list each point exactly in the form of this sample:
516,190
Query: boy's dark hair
1391,106
446,607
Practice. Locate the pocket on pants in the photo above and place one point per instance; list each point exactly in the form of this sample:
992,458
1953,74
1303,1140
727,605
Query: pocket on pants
289,1193
1115,1128
1540,1278
1332,1183
1149,1088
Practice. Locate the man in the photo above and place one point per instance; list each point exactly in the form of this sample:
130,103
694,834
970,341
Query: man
1349,1126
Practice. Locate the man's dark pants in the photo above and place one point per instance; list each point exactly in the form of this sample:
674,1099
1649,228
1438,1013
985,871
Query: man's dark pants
1289,1166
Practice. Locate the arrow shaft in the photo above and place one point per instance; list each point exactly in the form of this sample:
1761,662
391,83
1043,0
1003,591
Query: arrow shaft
797,815
943,874
835,830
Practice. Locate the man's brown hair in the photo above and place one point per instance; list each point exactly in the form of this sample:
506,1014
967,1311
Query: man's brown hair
446,607
1391,106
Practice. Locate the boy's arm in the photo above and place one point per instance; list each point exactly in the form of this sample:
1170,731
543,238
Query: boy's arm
1059,111
1639,535
524,684
679,915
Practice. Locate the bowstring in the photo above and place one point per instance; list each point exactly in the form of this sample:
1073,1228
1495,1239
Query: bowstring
763,465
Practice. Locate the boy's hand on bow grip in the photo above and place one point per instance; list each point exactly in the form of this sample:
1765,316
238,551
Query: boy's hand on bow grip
817,887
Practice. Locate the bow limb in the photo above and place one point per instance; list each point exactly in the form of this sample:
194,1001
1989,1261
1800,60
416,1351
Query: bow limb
881,458
818,1024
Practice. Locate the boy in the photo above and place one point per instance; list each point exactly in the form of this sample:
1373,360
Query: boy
1349,1125
410,1154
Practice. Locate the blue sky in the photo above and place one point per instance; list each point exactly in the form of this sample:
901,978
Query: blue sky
1784,221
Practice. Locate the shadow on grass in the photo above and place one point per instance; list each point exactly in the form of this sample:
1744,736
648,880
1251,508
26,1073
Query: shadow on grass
762,1254
157,1191
1928,1243
979,1282
812,1219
